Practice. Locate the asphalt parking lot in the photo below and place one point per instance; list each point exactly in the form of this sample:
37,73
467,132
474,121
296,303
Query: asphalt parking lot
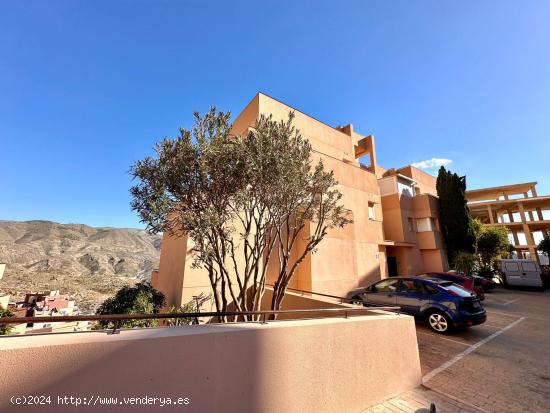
500,366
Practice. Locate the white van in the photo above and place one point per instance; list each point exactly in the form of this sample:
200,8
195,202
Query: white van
523,273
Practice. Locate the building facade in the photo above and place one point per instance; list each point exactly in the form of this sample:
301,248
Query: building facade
395,229
48,304
518,208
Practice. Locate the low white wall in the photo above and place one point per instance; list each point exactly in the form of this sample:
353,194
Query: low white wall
323,365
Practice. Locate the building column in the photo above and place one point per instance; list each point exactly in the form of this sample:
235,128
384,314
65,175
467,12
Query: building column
490,212
515,236
528,235
513,231
539,213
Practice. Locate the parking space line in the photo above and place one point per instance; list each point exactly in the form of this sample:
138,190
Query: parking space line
470,349
442,338
490,311
507,302
492,326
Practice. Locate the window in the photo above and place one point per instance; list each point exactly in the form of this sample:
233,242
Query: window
529,266
410,224
424,224
512,266
371,211
386,286
457,290
404,188
430,289
411,286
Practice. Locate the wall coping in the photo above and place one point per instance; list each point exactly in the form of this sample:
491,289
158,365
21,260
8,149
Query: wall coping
58,339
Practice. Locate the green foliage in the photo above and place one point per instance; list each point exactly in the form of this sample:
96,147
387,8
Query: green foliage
238,198
142,298
465,262
5,328
486,271
492,242
508,252
477,227
192,306
544,244
181,321
454,215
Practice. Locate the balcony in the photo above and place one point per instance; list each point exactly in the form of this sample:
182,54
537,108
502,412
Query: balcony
429,240
425,205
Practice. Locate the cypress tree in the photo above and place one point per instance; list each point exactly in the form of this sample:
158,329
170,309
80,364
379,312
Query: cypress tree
454,214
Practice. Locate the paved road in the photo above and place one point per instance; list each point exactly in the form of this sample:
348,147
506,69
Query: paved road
500,366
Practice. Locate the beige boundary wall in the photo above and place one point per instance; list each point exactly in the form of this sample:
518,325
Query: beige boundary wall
322,365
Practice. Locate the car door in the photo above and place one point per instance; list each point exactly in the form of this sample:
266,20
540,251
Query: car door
530,274
412,296
512,271
382,293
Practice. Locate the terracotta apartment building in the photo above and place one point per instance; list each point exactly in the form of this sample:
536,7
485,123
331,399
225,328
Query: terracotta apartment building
395,228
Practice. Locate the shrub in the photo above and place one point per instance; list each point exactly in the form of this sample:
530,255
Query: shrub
192,306
486,271
5,328
142,298
464,262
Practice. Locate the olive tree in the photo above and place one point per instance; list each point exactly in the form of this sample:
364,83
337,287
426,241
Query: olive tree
239,198
492,242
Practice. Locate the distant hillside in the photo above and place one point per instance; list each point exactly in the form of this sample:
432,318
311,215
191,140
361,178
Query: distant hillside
88,263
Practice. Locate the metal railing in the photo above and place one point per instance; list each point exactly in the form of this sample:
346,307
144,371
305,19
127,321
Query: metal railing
263,315
341,299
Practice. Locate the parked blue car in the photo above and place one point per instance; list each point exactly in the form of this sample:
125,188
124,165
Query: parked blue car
446,306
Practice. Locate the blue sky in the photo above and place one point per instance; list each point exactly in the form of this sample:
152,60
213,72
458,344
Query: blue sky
87,87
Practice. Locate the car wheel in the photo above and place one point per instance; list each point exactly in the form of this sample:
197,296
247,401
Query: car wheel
357,300
439,322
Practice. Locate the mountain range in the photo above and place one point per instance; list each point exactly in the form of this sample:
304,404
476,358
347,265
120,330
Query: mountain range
88,263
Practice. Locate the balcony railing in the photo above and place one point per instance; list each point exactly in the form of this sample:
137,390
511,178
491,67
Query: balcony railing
239,316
